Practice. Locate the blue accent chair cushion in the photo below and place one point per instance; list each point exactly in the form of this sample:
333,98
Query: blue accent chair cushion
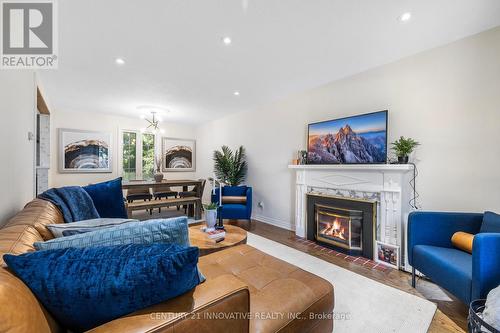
85,288
174,230
108,198
491,222
430,251
234,210
457,277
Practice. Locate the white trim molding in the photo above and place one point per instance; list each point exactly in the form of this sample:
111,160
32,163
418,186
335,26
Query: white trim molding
288,225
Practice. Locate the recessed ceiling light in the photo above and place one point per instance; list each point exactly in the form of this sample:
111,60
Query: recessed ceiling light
226,40
236,93
120,61
405,17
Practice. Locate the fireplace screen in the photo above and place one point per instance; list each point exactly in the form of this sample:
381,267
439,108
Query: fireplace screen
339,227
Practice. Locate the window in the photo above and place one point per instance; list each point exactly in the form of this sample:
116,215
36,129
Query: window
148,155
129,155
138,155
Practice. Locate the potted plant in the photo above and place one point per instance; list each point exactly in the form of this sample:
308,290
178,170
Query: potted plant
158,175
403,147
230,168
211,215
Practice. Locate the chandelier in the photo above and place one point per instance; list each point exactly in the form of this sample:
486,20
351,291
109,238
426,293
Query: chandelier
154,123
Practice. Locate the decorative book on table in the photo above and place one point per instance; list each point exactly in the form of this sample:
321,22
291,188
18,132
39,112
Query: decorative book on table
216,234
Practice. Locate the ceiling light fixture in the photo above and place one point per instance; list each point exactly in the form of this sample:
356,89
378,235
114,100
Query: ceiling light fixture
120,61
236,93
154,123
405,17
226,40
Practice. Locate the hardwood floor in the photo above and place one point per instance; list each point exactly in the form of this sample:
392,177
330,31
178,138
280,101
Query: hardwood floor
451,315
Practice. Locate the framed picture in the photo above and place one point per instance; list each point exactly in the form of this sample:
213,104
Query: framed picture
178,154
387,254
83,151
358,139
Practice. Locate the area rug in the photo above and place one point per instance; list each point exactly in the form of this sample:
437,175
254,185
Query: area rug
361,304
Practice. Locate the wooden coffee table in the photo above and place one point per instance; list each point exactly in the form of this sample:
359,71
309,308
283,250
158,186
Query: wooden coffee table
234,236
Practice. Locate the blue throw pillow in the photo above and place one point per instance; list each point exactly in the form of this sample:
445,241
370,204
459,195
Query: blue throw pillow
66,229
85,288
491,222
108,198
173,230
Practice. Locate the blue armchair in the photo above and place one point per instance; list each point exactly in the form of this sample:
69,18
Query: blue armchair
235,210
430,251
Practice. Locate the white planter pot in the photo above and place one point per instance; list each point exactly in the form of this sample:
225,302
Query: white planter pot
211,218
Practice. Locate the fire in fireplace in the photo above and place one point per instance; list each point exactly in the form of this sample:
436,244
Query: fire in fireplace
336,230
340,227
344,224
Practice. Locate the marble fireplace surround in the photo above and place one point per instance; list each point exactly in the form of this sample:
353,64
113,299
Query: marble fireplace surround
387,184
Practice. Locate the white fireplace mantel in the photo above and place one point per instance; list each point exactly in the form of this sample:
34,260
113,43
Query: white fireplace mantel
387,184
350,167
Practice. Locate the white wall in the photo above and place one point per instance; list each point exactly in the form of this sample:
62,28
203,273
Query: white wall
447,98
105,123
17,111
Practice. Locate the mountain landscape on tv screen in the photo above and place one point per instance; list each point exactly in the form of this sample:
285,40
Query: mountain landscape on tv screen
347,146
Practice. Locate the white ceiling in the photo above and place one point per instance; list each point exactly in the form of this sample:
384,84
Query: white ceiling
175,57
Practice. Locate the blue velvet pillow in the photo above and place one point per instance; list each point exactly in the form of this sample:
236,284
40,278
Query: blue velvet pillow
85,288
491,222
173,230
108,198
63,229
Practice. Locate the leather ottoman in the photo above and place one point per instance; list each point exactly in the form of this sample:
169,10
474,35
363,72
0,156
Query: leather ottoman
283,297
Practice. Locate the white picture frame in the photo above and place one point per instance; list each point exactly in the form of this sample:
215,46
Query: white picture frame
76,157
387,254
179,155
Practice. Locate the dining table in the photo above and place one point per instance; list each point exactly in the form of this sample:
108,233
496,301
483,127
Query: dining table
147,184
184,183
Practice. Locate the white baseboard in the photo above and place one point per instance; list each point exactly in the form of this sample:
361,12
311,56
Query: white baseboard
274,221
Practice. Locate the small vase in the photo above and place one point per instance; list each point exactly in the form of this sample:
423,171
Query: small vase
158,177
211,218
403,159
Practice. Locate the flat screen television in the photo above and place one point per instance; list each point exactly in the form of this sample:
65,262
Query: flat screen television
358,139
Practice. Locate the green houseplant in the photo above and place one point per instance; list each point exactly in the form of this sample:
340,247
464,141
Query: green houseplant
230,168
403,147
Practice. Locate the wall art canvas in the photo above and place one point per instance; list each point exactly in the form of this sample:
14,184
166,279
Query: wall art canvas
353,140
178,154
83,151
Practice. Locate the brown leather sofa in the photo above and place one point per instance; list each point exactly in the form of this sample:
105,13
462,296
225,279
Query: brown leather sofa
246,291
